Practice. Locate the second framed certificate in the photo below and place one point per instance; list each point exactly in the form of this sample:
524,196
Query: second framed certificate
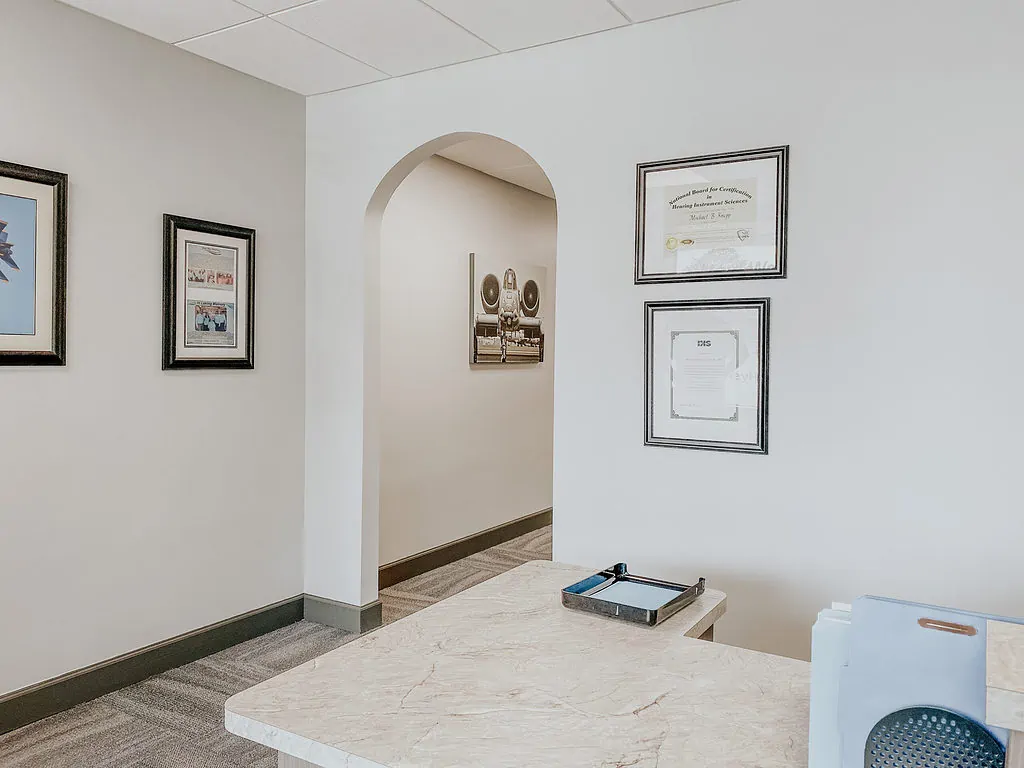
707,374
718,217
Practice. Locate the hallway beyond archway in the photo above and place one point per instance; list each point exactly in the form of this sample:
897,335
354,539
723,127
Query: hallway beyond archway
466,388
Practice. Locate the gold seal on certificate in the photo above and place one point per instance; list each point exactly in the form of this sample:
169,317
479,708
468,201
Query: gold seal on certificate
707,374
719,217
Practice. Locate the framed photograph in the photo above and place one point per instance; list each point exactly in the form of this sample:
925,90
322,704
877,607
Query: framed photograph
507,305
706,375
33,265
209,294
720,217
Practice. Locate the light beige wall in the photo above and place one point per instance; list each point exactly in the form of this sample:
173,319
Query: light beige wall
462,449
115,531
895,411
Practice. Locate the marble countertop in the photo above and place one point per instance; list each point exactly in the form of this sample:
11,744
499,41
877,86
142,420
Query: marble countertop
502,675
1004,675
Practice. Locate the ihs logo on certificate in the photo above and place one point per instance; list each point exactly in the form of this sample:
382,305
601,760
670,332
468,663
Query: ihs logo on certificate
707,374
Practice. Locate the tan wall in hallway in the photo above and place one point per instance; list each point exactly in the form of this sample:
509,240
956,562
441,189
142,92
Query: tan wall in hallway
462,449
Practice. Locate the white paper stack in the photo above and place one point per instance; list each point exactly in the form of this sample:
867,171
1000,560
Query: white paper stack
830,652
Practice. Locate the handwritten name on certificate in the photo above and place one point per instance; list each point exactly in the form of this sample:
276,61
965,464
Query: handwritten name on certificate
703,368
715,217
699,217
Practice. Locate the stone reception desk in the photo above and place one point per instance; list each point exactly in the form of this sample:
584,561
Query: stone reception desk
503,675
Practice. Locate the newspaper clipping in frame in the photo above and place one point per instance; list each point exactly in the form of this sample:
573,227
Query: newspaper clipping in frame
211,295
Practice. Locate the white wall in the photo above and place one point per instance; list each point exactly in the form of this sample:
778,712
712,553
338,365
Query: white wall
110,533
452,435
896,416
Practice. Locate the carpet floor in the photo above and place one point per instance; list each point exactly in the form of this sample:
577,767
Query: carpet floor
176,720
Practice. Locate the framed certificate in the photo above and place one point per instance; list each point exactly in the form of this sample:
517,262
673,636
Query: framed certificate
707,374
719,217
33,265
209,296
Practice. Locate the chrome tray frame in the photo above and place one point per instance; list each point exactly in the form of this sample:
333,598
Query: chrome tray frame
585,596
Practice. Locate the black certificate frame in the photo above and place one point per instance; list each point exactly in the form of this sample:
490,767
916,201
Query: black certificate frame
171,361
780,154
763,307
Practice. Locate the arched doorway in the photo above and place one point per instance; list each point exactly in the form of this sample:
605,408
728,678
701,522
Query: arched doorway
437,365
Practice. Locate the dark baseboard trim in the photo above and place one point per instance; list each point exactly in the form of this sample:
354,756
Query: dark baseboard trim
400,570
352,618
49,697
25,706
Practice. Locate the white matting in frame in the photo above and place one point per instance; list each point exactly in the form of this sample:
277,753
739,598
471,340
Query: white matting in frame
717,217
706,377
33,265
208,294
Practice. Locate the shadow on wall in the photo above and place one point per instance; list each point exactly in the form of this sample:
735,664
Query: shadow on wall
779,623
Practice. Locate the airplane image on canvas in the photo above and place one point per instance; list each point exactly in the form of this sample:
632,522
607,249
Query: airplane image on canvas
6,252
507,325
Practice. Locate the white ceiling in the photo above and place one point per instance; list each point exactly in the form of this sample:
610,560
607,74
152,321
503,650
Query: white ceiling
502,160
316,46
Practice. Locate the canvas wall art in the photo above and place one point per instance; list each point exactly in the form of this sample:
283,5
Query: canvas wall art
508,303
33,261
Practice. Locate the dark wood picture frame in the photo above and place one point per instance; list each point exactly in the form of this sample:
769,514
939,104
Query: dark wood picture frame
56,355
171,361
763,307
779,154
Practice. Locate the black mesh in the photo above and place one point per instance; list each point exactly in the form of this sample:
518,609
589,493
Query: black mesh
928,737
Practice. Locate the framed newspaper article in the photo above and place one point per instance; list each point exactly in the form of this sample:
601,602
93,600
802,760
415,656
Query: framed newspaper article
718,217
209,296
33,265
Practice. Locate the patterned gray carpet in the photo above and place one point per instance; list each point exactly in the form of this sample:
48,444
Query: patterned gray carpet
176,720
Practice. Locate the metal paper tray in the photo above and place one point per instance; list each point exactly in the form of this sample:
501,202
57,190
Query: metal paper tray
659,599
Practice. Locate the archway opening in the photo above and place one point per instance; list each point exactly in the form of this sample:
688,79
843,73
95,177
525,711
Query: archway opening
459,359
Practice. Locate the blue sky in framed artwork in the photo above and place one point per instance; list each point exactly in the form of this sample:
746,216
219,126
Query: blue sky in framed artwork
17,265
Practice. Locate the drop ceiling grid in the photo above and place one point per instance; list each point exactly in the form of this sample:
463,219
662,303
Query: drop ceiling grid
319,46
511,25
273,52
395,36
169,20
271,6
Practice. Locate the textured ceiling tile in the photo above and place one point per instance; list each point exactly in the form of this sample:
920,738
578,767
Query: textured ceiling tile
169,21
396,36
272,52
642,10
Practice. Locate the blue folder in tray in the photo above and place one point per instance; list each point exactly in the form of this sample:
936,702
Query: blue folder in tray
616,593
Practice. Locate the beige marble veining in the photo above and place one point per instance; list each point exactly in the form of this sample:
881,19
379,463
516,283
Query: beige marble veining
503,675
1004,675
1004,663
1004,709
